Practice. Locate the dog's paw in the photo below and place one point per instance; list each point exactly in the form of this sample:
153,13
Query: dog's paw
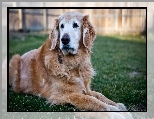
121,106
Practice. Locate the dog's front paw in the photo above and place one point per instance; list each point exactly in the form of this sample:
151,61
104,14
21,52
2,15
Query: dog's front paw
121,106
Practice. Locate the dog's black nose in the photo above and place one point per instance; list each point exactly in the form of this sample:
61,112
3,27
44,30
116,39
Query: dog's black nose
65,39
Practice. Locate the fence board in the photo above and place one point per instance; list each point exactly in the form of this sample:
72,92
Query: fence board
105,20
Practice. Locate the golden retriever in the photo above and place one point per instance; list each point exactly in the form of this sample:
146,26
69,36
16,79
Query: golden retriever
60,70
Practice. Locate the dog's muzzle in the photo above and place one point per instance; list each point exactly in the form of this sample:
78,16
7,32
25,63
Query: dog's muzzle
66,46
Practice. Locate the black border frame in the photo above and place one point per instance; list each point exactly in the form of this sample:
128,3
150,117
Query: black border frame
67,8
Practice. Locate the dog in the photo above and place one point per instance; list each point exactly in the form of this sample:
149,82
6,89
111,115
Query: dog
60,70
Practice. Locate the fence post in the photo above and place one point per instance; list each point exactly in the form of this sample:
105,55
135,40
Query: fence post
45,19
106,19
21,19
116,20
123,15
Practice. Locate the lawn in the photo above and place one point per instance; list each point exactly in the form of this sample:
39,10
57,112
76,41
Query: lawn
120,63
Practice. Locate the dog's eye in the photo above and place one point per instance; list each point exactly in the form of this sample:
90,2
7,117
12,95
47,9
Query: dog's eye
75,25
62,26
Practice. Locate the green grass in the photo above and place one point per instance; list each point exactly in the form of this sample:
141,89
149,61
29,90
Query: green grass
120,63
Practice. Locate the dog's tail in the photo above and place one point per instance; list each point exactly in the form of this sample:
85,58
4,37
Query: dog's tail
14,73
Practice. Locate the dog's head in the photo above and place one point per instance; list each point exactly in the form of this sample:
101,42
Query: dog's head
70,29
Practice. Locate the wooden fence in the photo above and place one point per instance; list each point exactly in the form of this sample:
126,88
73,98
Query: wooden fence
106,21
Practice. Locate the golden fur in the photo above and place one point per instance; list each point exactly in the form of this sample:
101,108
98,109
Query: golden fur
59,78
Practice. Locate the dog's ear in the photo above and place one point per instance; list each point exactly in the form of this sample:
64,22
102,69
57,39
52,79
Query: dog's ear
89,33
54,34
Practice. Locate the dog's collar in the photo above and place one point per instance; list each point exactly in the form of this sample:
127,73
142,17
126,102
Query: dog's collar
60,59
59,56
